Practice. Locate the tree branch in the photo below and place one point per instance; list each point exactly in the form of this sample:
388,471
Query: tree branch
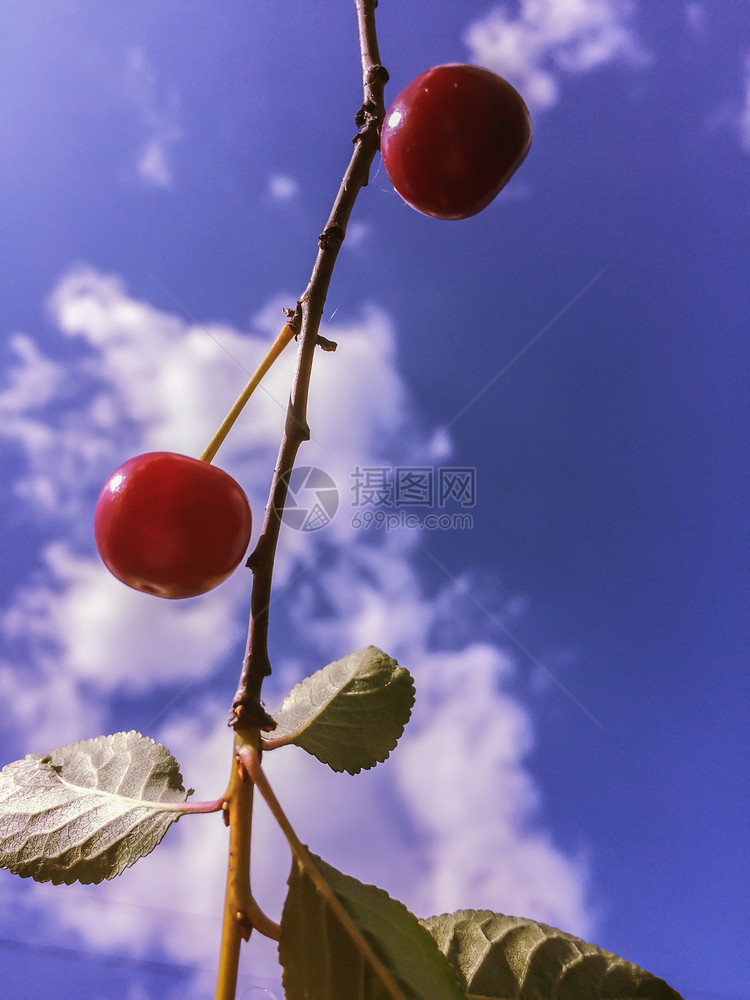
246,704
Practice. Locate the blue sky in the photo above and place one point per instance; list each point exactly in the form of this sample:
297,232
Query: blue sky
580,651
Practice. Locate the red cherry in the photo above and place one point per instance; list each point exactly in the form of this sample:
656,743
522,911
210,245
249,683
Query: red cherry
453,138
171,525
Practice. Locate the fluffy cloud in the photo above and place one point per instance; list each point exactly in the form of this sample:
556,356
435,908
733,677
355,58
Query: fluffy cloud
743,119
473,835
544,39
695,16
146,380
734,114
282,188
158,117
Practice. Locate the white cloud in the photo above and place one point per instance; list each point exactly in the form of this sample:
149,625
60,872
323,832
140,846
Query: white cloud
158,116
734,114
545,39
481,803
743,119
282,188
477,816
357,234
163,383
152,165
695,16
110,637
148,381
473,835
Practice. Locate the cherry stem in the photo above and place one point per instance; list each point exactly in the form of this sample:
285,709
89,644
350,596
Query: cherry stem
246,704
284,337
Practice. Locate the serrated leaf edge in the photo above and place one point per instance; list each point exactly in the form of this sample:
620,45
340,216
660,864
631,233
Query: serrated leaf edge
274,742
130,805
545,928
291,739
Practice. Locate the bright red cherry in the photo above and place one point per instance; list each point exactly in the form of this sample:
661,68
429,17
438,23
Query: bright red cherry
453,138
171,525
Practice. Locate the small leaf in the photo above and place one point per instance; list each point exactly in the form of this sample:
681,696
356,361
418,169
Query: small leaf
510,958
342,940
87,811
350,714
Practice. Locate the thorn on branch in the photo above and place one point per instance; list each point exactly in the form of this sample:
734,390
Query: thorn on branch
326,345
300,428
245,924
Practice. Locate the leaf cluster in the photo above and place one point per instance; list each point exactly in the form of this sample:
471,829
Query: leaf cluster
87,811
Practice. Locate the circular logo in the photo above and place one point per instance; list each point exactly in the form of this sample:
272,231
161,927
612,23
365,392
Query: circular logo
312,499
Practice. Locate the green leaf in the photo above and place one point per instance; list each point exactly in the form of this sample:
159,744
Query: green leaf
350,714
342,940
509,958
87,811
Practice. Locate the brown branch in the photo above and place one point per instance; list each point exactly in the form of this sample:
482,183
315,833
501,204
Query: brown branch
239,817
247,710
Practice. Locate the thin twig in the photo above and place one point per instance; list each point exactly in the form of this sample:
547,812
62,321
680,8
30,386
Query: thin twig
247,709
250,758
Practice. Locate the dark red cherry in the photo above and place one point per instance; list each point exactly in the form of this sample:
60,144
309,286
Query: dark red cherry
453,138
171,525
